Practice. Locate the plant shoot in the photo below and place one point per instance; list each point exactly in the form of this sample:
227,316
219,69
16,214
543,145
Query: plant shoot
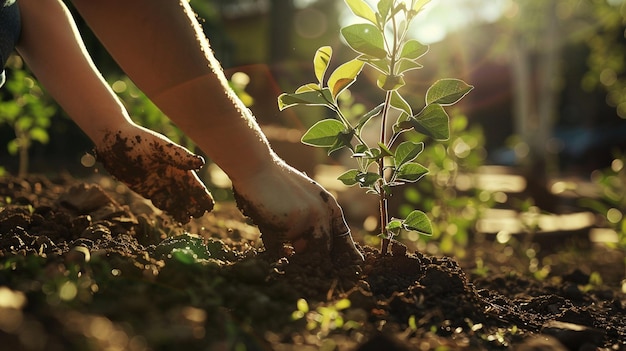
382,43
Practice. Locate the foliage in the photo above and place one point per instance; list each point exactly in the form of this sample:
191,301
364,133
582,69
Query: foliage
449,196
382,44
27,111
326,317
606,53
611,204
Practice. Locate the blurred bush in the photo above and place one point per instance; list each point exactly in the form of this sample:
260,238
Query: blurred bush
448,193
27,110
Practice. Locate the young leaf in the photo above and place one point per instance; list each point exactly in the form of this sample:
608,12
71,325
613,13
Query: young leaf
390,82
384,149
369,115
419,222
403,123
40,135
406,65
447,91
323,133
381,65
407,152
411,172
321,61
342,140
311,97
432,121
398,102
413,49
367,179
366,39
343,77
394,226
419,4
384,6
308,87
349,178
362,9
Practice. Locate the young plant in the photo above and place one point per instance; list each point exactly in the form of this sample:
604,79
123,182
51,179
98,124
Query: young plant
26,110
383,44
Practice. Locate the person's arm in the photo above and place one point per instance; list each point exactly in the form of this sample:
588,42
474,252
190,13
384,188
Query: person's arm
154,166
162,48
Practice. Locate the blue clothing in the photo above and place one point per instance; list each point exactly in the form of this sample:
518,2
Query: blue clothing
9,31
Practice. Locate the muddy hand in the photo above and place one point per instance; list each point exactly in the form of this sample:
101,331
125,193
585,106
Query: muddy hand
288,206
158,169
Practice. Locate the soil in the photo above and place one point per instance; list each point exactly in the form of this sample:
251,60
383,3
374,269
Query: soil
89,265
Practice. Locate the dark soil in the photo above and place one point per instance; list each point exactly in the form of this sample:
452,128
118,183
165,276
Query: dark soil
91,266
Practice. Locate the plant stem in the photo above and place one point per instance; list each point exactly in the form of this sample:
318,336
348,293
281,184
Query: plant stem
384,217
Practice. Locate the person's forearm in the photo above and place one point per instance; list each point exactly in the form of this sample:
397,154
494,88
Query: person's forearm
161,47
53,50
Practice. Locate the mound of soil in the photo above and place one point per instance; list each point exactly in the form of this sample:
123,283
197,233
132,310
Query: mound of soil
91,266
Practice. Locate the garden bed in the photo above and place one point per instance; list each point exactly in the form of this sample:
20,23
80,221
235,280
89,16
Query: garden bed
88,265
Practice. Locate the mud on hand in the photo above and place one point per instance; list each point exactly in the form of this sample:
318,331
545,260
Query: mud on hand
157,169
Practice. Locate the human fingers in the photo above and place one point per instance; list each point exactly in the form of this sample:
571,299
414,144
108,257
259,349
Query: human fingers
183,197
177,155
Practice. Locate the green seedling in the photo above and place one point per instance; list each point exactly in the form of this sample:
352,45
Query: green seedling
325,318
28,112
383,44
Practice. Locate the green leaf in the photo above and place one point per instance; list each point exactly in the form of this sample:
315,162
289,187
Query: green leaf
384,6
407,152
447,91
362,9
311,97
419,4
343,139
360,148
398,102
384,149
321,61
343,77
419,222
342,304
406,65
13,147
403,123
308,87
413,49
390,82
432,121
349,178
381,65
366,39
369,115
367,179
394,226
323,133
411,172
40,135
302,305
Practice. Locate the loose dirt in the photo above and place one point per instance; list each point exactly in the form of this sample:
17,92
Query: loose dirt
88,265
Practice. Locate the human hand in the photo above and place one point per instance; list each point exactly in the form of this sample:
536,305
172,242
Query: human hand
156,168
288,206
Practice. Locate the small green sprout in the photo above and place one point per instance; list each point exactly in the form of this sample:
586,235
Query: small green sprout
324,319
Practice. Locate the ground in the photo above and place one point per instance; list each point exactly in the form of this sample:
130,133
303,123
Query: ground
88,265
